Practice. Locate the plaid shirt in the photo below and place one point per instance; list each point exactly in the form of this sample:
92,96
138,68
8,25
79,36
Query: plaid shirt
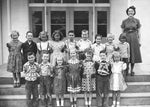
31,71
46,69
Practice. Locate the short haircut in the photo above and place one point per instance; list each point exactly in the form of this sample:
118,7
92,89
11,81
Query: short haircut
84,30
131,7
103,51
70,31
98,35
123,36
44,32
29,32
57,32
30,53
14,31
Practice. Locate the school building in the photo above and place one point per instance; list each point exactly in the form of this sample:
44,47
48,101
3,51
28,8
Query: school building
98,16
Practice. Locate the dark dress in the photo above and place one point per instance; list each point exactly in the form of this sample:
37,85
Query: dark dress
26,47
60,80
130,26
14,64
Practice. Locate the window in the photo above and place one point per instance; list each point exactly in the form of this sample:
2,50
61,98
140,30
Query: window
101,1
53,1
36,21
85,1
69,1
58,21
36,1
81,21
102,23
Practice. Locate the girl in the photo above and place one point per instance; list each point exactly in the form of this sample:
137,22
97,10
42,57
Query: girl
71,43
110,46
73,77
117,82
14,64
59,80
57,45
97,47
88,80
43,45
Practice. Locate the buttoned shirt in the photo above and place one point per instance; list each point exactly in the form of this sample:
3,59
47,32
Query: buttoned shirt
45,69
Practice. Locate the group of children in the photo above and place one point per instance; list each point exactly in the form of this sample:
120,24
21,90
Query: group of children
71,66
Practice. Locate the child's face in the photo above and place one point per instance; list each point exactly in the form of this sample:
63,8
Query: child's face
103,56
14,35
116,58
88,56
31,58
85,35
29,36
110,39
98,39
72,54
43,37
57,37
60,61
71,36
45,57
122,40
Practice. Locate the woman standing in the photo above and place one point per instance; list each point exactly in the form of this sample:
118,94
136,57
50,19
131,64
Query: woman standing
131,26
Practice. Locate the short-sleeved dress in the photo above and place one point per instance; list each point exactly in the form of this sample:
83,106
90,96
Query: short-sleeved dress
59,79
117,82
88,80
57,48
73,76
130,26
14,64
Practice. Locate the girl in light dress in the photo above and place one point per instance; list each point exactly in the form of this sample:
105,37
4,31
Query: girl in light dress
57,45
117,82
43,45
14,64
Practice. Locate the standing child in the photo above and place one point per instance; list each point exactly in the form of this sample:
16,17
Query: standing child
31,70
28,46
83,44
117,82
46,79
59,80
43,45
73,77
14,64
88,79
97,47
57,45
71,43
110,46
103,69
124,50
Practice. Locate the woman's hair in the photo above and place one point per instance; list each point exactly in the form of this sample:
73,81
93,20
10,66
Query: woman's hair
43,32
57,32
14,31
131,7
122,36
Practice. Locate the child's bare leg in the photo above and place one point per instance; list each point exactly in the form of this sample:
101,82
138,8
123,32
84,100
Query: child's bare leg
57,100
90,98
18,75
71,99
114,99
50,98
86,99
62,100
118,98
75,99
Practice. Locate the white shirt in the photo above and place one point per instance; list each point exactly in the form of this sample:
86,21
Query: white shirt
124,49
43,45
84,44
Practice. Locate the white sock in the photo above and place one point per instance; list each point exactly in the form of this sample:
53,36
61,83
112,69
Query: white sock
62,102
57,103
118,103
90,102
114,102
86,103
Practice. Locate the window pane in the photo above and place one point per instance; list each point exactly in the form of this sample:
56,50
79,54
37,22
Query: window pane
101,1
102,17
36,1
102,29
85,1
69,1
53,1
58,21
81,21
36,30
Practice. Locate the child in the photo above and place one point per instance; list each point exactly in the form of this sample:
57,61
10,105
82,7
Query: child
71,43
46,79
14,64
103,71
43,45
97,47
73,77
88,79
124,50
83,44
117,82
59,80
28,46
110,46
57,45
31,70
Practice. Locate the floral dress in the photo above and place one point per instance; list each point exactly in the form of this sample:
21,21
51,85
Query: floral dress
57,48
14,64
88,82
73,76
117,82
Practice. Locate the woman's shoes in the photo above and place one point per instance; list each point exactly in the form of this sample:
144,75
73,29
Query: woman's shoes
132,73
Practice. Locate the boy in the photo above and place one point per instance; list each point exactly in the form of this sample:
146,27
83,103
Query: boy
83,44
103,71
31,71
28,46
45,79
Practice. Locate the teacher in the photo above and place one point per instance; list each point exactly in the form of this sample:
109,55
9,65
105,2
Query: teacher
131,26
